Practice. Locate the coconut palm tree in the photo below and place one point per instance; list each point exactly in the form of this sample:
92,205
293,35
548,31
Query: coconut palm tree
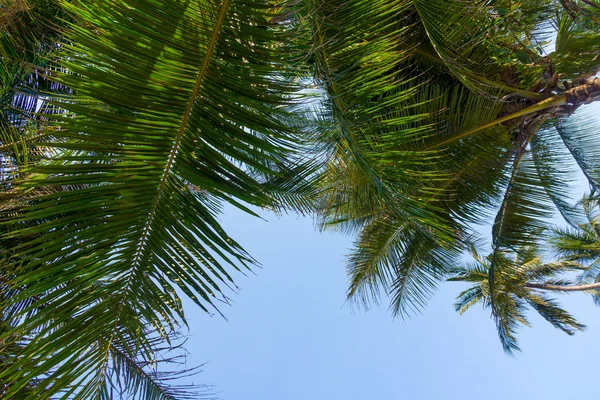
525,280
446,115
522,282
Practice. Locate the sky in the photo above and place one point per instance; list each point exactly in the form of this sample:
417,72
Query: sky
290,335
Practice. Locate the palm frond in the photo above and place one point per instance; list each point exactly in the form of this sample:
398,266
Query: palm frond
468,298
130,377
396,258
508,312
474,41
542,271
578,135
576,49
522,205
576,244
179,108
556,171
551,312
418,273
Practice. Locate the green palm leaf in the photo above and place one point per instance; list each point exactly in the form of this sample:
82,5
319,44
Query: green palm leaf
524,205
556,171
576,48
130,376
579,136
399,259
179,107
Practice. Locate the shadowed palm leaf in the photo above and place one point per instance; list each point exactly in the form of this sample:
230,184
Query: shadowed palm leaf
179,107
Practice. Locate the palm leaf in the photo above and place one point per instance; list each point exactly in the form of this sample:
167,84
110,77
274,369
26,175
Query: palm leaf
132,377
576,47
468,298
460,34
554,165
558,317
161,132
579,136
397,258
525,204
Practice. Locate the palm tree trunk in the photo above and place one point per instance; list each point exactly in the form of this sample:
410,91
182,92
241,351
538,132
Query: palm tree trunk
564,288
586,92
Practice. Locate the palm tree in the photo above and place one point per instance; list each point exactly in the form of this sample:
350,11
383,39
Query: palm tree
445,115
522,282
525,279
173,108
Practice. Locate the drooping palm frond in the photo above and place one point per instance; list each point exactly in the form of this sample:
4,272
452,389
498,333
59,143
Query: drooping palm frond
550,310
151,371
132,376
467,298
179,107
397,258
578,135
557,172
524,204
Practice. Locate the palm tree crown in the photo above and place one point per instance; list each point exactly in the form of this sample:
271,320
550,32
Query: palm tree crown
446,115
513,290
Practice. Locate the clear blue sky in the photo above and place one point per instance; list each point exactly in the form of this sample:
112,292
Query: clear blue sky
290,336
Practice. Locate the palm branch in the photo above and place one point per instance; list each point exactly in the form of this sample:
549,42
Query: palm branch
172,109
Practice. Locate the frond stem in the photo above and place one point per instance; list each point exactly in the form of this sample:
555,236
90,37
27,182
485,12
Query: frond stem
201,74
564,288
